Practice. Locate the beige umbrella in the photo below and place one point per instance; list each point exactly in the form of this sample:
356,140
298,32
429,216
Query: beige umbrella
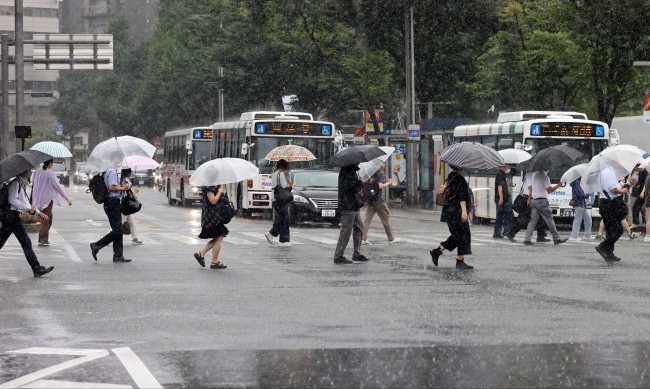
290,153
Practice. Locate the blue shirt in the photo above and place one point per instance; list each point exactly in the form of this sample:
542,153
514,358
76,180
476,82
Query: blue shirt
110,178
578,194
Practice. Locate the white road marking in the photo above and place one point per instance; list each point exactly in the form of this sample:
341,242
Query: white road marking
47,384
139,372
93,223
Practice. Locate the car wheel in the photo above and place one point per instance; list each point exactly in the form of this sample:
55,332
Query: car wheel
169,195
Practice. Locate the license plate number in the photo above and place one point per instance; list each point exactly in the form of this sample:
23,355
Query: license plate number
141,182
328,213
564,212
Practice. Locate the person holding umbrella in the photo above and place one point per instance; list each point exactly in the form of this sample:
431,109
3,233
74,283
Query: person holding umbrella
538,190
378,206
280,178
11,223
613,210
505,215
580,214
454,212
211,227
45,193
349,203
113,210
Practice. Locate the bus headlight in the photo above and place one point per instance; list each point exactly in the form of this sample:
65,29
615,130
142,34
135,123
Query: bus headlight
196,189
300,199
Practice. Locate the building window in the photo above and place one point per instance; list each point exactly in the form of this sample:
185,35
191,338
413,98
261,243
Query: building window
6,10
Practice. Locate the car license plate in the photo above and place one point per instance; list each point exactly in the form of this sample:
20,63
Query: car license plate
141,182
328,213
566,212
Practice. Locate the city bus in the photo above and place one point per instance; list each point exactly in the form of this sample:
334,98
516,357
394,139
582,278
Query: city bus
257,133
184,151
533,131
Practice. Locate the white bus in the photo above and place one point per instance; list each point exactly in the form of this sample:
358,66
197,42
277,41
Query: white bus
533,131
184,151
257,133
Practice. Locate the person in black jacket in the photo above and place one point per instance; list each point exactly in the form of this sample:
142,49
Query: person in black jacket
454,212
349,203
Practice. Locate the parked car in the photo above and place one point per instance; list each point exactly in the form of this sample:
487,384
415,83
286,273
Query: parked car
61,173
315,197
80,176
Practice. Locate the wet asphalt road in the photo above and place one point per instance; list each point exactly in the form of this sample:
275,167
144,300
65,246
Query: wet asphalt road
529,316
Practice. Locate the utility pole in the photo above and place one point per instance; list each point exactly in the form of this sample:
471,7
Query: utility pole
4,52
411,153
20,65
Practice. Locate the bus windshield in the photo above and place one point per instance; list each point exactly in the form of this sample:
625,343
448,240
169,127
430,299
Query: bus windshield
200,155
323,149
588,148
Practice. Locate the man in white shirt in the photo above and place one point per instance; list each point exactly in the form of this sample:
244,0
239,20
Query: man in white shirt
613,209
538,190
11,223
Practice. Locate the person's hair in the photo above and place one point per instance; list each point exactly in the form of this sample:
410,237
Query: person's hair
126,171
282,164
454,167
47,163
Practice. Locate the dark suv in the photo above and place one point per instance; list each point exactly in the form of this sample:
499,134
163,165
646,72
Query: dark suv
61,174
315,197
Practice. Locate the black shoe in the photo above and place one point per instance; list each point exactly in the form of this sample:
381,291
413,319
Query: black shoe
559,241
435,254
462,265
120,259
614,258
606,256
342,261
42,270
497,236
528,243
94,250
511,238
200,259
360,258
543,240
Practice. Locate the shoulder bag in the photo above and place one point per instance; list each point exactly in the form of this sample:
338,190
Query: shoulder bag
130,204
442,197
282,195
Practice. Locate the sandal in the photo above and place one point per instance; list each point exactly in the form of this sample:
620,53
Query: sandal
217,265
200,259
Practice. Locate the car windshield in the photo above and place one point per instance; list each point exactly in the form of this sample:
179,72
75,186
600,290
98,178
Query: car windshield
316,179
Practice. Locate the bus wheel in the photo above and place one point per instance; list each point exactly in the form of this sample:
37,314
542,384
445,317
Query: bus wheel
169,195
184,202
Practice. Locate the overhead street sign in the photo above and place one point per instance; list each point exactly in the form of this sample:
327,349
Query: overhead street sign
72,51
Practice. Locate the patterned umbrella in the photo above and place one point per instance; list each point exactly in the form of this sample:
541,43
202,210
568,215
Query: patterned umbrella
53,149
290,153
472,156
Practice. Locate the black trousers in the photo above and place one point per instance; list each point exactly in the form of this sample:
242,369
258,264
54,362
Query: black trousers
460,238
613,227
113,211
11,224
637,209
281,221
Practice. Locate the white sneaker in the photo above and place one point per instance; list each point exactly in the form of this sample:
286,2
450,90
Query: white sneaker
366,242
136,242
269,238
284,244
633,235
574,239
395,240
647,239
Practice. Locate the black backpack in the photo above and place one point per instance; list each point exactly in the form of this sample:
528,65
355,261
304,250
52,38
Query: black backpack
4,198
98,188
370,191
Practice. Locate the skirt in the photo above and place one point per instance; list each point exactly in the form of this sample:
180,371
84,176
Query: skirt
215,232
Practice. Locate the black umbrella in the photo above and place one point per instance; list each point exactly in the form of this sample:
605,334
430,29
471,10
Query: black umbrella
355,155
550,158
20,162
471,155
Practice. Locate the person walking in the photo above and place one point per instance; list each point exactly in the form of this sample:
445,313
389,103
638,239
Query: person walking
378,206
613,210
280,178
46,190
113,210
211,227
523,217
638,202
454,212
538,189
126,179
646,198
505,216
580,212
349,203
11,223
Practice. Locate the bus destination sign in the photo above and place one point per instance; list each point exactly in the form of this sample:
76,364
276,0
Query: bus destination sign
584,130
293,129
202,133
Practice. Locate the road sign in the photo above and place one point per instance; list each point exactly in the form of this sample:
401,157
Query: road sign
414,132
58,129
72,51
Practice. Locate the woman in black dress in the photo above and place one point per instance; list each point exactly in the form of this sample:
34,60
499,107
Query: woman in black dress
211,228
454,212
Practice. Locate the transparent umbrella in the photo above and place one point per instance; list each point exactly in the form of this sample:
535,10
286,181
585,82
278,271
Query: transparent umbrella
122,145
367,169
620,159
223,171
139,162
573,173
514,156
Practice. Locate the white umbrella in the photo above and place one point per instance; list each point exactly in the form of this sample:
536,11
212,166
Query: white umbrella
573,173
620,159
223,171
139,162
646,163
121,145
515,156
54,149
367,169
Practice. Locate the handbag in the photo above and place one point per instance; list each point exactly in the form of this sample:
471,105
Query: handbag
520,204
282,195
442,197
573,202
126,228
130,204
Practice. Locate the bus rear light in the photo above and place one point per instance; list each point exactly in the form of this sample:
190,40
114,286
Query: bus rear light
249,183
261,196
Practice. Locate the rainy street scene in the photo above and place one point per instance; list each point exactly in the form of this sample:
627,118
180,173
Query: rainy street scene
332,194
